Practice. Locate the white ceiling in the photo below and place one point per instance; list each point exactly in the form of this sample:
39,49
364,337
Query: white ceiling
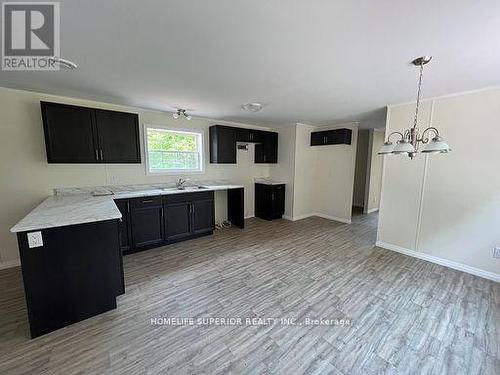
312,61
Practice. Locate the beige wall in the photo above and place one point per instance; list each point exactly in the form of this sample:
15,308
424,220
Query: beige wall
374,171
361,170
447,207
27,178
324,175
304,172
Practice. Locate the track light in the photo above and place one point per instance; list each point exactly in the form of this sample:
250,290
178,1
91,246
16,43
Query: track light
181,112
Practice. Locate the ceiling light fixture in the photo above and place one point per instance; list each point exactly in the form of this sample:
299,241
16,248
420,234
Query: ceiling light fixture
252,107
64,62
181,112
410,138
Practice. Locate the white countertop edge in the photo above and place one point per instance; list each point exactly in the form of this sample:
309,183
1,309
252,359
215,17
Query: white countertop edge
56,211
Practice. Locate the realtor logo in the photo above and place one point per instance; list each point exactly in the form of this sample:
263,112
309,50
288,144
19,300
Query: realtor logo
30,35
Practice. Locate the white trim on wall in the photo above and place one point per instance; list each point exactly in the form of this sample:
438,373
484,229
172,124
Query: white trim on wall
443,262
305,216
10,264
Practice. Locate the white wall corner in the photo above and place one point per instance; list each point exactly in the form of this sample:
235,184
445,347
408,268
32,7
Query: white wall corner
443,262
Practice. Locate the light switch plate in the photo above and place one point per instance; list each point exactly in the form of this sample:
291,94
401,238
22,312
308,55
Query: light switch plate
35,239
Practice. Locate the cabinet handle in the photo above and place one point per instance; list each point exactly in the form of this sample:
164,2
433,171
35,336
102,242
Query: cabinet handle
251,136
128,206
147,201
100,151
272,196
162,213
96,154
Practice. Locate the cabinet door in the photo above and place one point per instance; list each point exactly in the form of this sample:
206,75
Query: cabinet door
124,227
267,151
146,225
178,221
222,144
118,134
278,200
203,216
339,136
69,133
319,138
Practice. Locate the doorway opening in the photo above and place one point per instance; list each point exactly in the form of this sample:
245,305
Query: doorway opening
368,173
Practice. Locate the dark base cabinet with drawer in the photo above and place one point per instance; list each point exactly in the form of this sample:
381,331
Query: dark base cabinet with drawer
269,201
149,222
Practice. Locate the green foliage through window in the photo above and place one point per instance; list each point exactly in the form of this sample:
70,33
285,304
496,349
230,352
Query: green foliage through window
170,150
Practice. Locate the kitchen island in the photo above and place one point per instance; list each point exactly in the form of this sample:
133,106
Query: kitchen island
71,245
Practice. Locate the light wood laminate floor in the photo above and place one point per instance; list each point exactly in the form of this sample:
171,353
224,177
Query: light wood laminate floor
408,316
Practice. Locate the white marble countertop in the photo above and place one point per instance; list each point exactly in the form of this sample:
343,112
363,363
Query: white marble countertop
267,181
63,210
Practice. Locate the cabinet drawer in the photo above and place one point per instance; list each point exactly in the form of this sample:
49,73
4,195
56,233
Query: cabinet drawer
191,196
145,201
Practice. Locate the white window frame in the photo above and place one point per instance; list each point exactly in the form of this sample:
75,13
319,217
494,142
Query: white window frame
201,147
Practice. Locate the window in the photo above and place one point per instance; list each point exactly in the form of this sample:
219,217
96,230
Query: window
173,151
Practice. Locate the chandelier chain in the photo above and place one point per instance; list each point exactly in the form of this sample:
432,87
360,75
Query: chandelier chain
418,95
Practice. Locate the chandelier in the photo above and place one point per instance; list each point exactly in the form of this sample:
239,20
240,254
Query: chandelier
409,140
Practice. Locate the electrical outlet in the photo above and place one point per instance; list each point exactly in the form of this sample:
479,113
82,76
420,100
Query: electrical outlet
35,239
496,252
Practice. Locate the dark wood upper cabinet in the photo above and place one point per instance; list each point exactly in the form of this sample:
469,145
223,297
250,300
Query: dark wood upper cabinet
69,134
267,151
223,144
86,135
331,137
118,135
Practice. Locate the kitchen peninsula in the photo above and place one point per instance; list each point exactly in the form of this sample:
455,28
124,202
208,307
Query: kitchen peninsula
71,245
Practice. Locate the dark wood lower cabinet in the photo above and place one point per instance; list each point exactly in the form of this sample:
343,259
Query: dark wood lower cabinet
178,221
159,220
149,222
269,201
203,216
147,226
189,215
125,241
76,274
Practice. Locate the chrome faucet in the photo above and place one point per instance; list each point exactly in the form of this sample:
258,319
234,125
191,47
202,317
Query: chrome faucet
180,184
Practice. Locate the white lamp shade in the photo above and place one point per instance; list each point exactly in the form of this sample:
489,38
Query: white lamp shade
403,147
386,148
437,146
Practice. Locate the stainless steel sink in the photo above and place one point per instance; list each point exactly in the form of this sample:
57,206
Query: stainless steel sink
185,188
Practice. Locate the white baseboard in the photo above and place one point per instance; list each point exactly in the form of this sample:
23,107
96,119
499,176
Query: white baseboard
334,218
305,216
443,262
10,264
300,217
372,210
